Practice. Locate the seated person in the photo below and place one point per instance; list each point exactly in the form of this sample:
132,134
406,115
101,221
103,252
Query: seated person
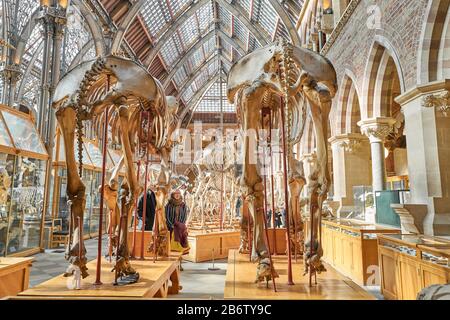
176,216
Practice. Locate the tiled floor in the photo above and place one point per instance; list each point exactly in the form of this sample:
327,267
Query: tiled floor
51,263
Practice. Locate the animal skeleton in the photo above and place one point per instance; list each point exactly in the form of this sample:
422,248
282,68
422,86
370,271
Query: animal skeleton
5,184
133,96
283,76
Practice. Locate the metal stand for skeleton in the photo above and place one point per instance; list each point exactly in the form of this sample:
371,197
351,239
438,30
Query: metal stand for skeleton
135,212
286,195
102,195
265,111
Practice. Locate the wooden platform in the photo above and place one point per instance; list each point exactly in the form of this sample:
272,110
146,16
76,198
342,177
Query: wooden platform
138,245
153,282
280,234
331,285
14,275
208,245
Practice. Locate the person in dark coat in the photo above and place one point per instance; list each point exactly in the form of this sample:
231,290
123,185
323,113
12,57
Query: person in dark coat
150,209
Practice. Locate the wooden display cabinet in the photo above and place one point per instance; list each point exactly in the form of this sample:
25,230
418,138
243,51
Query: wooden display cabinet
350,246
409,263
212,245
14,275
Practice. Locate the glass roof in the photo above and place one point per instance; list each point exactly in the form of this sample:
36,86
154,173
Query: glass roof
211,100
192,40
210,39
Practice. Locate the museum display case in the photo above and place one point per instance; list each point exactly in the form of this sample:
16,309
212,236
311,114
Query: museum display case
14,275
409,263
350,246
206,246
363,204
92,164
23,161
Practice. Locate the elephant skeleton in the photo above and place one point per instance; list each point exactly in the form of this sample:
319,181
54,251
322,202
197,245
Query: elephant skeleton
283,76
133,97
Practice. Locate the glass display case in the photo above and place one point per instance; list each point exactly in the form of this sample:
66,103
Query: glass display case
92,168
351,247
23,164
363,204
411,262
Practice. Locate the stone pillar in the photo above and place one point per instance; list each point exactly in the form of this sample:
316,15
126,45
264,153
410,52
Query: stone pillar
427,129
351,167
377,129
11,74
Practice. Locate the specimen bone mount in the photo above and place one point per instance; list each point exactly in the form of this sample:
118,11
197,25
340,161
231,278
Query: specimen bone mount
131,94
277,76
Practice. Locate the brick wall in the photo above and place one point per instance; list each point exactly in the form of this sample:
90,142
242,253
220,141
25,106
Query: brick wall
401,23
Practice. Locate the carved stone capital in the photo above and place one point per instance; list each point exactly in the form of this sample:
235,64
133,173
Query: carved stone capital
10,72
351,143
439,101
377,129
310,158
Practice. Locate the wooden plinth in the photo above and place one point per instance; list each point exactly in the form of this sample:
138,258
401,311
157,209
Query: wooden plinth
280,234
137,248
331,285
14,275
153,282
209,245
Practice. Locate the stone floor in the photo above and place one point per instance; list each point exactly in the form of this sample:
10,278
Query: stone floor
198,282
51,263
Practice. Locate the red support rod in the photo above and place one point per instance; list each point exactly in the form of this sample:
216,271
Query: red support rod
221,204
249,237
266,233
272,186
286,196
110,235
102,194
80,237
135,213
155,234
144,210
123,208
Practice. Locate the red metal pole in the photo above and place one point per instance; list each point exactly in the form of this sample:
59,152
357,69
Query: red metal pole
221,204
155,235
286,196
102,194
249,237
265,208
110,235
144,211
272,186
80,237
135,213
123,208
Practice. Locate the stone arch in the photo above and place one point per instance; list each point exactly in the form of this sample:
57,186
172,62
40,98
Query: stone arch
348,109
353,115
434,51
383,63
